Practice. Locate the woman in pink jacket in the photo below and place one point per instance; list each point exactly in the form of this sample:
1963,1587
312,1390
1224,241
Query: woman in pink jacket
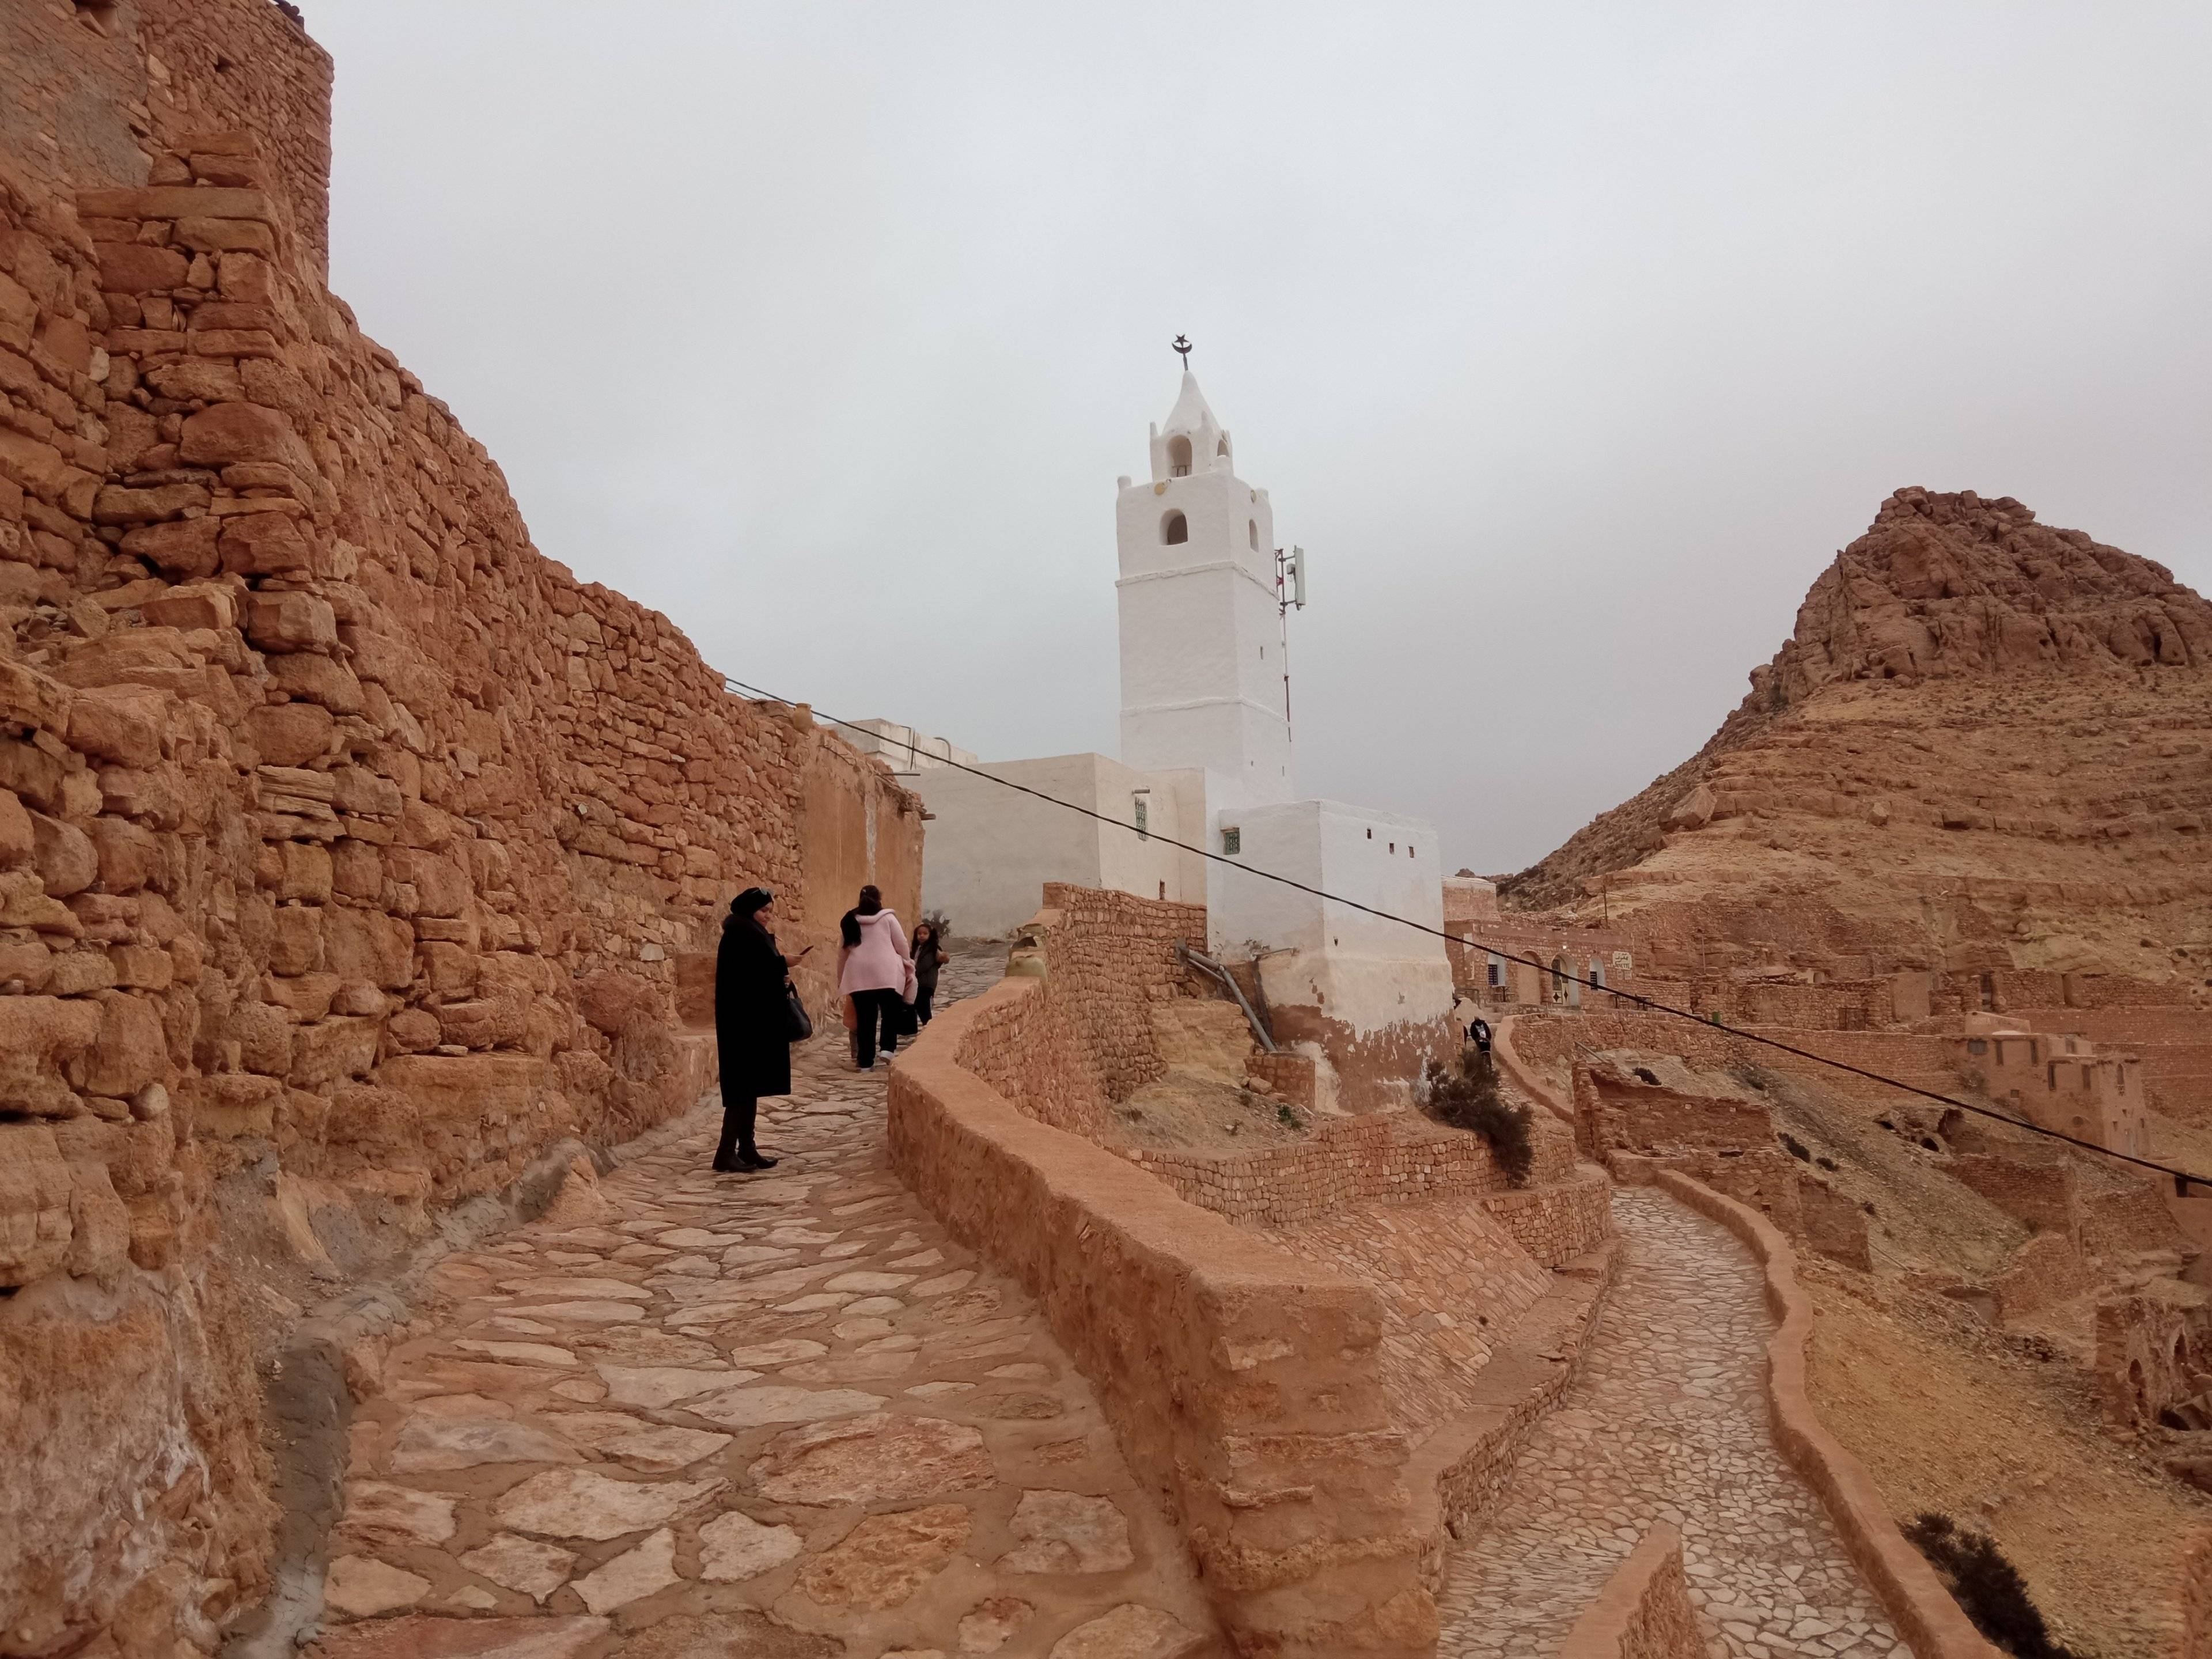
874,968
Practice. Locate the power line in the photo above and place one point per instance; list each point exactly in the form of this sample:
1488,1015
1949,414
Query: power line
2181,1176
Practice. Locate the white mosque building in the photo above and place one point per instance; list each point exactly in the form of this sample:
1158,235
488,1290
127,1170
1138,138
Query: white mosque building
1206,759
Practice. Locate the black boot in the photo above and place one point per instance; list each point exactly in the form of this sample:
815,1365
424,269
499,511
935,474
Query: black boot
737,1125
750,1158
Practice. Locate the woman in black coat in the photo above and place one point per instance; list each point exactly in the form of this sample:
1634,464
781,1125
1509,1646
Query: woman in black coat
748,1026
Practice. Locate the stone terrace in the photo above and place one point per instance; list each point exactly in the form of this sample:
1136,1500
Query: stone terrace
779,1414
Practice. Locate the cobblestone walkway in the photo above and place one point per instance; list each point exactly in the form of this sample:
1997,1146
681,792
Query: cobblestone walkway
1669,1423
776,1414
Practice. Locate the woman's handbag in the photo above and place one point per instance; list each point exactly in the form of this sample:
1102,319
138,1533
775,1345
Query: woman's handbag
798,1024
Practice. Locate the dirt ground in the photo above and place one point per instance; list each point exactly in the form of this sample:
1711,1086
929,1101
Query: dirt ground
1204,1100
1949,1417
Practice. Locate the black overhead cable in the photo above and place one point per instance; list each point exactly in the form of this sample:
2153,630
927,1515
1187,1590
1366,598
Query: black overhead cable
2181,1177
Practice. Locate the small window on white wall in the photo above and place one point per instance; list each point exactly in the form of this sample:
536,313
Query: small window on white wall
1232,842
1252,533
1178,458
1175,529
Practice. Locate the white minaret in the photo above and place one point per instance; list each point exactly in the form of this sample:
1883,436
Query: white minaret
1202,670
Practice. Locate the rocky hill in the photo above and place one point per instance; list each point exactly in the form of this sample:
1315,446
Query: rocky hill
1987,742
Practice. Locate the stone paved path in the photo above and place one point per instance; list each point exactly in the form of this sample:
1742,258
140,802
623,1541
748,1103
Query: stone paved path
780,1414
1669,1423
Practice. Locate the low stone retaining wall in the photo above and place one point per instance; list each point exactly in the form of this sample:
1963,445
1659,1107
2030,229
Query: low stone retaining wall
1457,1473
1560,1222
1918,1605
1243,1384
1644,1612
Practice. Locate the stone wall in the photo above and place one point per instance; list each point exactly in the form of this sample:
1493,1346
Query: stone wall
1644,1610
1395,1158
346,841
1242,1383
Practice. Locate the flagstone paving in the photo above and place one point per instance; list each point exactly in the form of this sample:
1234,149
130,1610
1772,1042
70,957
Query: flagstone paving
779,1414
1669,1422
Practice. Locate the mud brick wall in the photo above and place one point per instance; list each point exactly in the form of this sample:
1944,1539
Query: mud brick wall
346,842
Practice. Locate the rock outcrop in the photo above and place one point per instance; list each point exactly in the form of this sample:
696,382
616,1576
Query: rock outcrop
1987,746
348,845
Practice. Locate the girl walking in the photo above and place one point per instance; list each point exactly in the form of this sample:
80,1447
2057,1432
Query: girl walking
875,970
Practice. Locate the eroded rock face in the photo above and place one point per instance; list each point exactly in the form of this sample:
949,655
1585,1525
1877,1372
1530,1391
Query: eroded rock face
1981,750
349,847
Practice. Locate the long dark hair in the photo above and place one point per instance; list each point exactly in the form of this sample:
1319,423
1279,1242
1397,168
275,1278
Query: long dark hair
849,925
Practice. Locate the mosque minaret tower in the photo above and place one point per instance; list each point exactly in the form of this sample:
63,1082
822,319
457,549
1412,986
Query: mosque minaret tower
1202,806
1202,671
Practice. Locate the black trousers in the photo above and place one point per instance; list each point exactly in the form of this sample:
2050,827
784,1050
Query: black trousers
737,1114
921,1003
878,1012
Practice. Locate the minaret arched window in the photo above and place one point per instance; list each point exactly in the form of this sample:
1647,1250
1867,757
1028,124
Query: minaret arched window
1178,458
1174,528
1252,533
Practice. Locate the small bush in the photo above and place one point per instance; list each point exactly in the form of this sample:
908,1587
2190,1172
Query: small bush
1465,1097
1988,1587
1794,1146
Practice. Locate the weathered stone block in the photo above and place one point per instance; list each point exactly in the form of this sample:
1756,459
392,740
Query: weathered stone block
296,944
235,1105
123,730
318,679
184,547
35,1204
136,268
131,1050
446,1087
291,733
290,621
366,944
100,1225
192,604
64,856
331,1049
357,869
264,544
16,841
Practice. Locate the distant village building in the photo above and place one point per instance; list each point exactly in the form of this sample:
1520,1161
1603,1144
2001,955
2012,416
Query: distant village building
1503,962
1206,760
2060,1082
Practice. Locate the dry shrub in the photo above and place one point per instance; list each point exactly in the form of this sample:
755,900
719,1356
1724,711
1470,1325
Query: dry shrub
1989,1588
1465,1097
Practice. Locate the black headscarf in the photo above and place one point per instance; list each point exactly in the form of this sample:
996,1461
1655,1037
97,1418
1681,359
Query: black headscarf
753,899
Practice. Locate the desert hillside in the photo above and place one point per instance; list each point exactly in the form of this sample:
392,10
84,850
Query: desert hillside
1987,742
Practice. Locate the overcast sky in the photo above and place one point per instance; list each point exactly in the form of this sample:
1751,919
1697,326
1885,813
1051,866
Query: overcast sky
1572,341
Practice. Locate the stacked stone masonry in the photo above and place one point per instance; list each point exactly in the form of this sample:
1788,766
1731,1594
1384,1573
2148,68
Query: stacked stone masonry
346,842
